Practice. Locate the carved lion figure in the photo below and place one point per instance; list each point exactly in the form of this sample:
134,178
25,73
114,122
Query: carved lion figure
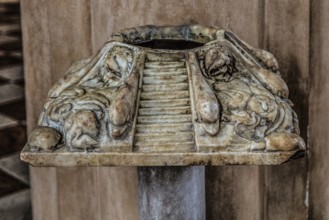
94,103
254,101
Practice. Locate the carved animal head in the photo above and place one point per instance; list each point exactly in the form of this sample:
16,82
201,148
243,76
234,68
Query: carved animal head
219,64
117,65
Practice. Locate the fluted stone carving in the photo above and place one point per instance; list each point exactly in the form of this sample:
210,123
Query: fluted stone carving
210,104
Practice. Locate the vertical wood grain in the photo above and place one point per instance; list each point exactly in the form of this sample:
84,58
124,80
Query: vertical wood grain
118,197
234,192
56,33
70,35
37,59
243,17
78,193
43,182
287,37
319,107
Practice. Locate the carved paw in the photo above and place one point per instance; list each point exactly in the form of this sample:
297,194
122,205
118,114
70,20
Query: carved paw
284,142
257,146
44,138
83,141
82,130
211,128
118,131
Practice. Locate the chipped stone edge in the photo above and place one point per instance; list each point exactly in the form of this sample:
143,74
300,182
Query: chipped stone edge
67,159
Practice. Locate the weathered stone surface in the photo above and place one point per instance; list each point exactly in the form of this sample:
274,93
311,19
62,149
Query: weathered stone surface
62,157
187,93
44,138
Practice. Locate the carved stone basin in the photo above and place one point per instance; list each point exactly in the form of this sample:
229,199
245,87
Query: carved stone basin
168,96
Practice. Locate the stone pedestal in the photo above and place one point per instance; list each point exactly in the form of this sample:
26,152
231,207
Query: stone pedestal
172,192
168,97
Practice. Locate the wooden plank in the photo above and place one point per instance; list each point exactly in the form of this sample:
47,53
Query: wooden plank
51,44
319,106
78,193
70,35
37,58
37,73
115,15
119,196
43,183
287,37
234,192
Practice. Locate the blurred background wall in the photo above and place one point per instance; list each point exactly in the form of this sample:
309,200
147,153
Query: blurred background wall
57,33
14,182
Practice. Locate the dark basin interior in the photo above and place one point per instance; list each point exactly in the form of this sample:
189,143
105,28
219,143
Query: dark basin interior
170,44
